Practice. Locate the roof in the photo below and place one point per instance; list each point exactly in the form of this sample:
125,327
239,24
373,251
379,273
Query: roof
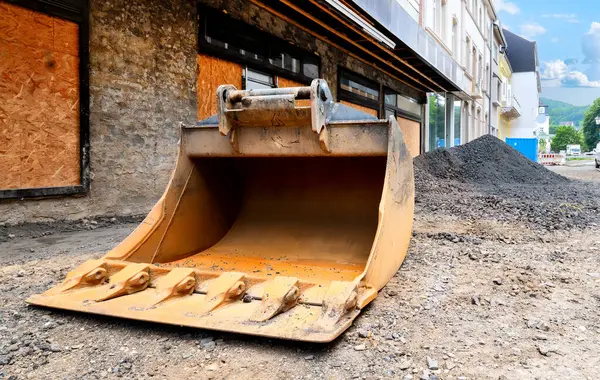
521,53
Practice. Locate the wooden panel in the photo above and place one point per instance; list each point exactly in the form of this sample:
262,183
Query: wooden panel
284,82
10,154
24,27
39,100
368,110
411,130
213,72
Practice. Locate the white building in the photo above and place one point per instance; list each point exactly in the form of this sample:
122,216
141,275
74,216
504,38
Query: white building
526,85
466,29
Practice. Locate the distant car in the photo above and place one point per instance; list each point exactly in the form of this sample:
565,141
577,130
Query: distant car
598,156
589,154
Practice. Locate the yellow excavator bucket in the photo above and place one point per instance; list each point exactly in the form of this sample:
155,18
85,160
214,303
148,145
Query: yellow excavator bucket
285,216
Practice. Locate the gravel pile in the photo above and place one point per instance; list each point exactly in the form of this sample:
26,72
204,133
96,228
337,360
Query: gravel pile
487,179
484,161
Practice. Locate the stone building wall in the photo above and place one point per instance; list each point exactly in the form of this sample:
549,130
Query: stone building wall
143,75
142,85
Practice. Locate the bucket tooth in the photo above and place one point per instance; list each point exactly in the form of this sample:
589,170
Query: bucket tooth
178,282
280,294
90,273
228,286
131,279
341,297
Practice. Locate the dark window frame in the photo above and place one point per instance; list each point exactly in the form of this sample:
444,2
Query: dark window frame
76,11
351,97
269,42
245,78
399,111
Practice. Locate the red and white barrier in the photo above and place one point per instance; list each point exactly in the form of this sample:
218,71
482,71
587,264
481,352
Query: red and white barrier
551,159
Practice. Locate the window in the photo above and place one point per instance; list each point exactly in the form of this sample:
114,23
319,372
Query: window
400,105
486,79
468,54
255,80
495,51
437,17
480,70
444,17
455,38
474,66
457,121
437,121
234,40
359,90
44,97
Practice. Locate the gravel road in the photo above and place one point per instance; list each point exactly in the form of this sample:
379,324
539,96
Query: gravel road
487,291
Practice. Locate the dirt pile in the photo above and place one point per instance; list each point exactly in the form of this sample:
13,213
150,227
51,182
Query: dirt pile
484,161
487,180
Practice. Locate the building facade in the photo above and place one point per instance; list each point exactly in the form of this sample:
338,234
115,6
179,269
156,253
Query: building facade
468,32
525,84
92,93
510,108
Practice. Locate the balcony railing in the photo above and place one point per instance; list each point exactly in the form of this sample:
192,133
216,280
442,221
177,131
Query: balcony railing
476,91
511,108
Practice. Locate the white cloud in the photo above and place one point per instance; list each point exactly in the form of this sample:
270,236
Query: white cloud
532,29
559,71
506,6
560,15
570,17
554,40
554,70
578,79
591,44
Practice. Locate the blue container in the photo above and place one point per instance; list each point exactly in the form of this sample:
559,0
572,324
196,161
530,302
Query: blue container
527,146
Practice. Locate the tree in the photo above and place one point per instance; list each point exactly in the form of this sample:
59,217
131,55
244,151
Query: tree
542,145
590,128
565,135
553,129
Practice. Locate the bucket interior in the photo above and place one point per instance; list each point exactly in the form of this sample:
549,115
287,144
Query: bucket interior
308,217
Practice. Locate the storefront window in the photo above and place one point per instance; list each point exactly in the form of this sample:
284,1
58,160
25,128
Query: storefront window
437,121
457,121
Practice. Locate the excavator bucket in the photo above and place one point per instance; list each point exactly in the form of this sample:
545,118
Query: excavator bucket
284,217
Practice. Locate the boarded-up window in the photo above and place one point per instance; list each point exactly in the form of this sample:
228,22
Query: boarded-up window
411,131
359,92
213,72
39,100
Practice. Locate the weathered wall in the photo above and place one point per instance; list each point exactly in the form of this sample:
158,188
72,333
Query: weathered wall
331,57
143,61
142,84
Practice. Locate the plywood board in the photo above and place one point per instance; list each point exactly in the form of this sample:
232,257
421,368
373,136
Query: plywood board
10,154
39,99
284,82
411,130
368,110
213,72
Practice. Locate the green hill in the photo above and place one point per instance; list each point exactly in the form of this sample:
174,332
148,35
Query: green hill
562,112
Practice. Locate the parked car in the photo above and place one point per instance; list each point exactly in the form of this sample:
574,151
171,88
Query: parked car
597,159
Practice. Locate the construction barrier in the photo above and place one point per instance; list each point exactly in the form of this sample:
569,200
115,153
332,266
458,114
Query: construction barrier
551,159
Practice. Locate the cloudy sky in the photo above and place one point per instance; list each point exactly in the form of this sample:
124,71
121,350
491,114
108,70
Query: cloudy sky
568,37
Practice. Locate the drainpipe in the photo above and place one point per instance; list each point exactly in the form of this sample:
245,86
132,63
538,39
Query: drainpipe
491,76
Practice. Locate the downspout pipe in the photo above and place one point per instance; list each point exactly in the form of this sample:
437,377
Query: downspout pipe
492,24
